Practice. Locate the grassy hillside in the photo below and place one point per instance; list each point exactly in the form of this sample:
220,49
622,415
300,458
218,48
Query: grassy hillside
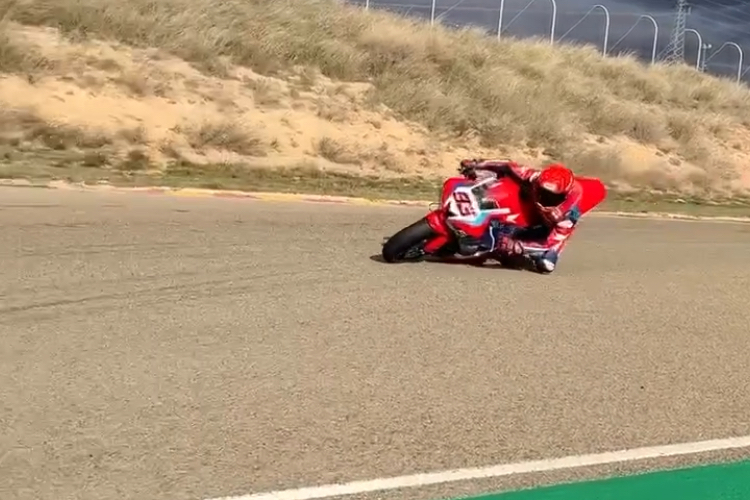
149,86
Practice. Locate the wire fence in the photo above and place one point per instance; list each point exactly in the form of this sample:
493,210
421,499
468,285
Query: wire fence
614,27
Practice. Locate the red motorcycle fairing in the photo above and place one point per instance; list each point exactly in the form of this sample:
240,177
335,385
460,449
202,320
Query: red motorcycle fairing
502,197
594,192
471,214
450,185
436,218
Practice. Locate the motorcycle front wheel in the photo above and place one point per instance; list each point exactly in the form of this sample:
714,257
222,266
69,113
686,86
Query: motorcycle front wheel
408,243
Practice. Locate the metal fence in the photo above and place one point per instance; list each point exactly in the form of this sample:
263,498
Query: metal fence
644,34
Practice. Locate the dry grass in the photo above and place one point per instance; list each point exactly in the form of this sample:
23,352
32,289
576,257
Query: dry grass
14,56
520,93
25,129
11,56
337,152
455,79
140,85
226,135
334,151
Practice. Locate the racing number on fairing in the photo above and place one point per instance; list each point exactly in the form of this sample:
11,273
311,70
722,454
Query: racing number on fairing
464,204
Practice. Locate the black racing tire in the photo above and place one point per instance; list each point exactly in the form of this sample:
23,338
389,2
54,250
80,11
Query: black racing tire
407,239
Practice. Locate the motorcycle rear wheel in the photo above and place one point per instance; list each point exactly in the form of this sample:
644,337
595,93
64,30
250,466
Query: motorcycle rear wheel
407,242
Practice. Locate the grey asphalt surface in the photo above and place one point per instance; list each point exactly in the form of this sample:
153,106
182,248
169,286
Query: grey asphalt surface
184,348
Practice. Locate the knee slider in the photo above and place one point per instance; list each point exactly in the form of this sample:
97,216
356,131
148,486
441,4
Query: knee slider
547,262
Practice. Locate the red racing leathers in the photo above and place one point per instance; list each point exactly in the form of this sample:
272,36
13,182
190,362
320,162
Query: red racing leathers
546,237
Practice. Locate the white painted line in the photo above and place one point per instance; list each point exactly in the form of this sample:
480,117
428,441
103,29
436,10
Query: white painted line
449,476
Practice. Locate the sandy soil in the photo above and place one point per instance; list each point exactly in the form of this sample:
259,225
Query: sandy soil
164,109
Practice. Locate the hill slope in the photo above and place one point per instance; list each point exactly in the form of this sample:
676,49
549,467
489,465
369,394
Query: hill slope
141,85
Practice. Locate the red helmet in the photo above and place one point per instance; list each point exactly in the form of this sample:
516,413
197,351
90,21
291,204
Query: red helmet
552,186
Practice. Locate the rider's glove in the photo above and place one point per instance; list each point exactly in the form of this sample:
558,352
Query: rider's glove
509,246
468,168
552,215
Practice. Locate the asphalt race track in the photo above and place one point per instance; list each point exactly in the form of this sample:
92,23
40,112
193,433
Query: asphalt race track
155,347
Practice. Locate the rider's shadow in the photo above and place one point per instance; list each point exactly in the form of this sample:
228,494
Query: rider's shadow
484,264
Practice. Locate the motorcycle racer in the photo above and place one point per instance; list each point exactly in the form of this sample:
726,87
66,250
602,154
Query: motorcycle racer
555,196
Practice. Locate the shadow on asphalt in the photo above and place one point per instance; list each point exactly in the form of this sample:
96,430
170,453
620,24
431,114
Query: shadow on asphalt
448,261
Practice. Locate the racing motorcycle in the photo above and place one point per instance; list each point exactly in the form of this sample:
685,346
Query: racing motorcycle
466,207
